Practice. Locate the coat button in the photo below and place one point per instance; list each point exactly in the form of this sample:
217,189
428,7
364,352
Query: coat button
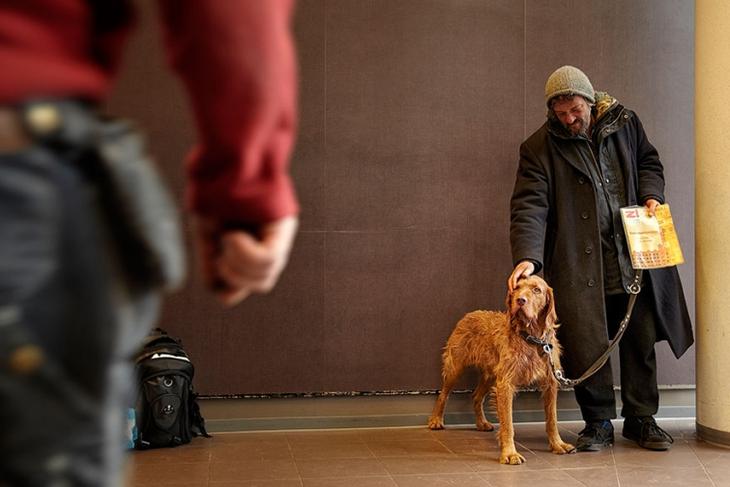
584,215
589,249
591,283
581,180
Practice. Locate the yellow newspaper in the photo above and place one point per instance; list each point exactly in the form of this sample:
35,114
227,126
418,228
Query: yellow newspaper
653,242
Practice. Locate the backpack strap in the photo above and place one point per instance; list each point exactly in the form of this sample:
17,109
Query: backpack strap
196,419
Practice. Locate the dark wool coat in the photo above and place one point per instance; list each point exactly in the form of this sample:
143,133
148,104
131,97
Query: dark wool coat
554,224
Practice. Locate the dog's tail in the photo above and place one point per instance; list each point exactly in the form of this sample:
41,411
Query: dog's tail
449,366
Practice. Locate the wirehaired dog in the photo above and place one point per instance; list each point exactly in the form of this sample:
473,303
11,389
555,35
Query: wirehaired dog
496,343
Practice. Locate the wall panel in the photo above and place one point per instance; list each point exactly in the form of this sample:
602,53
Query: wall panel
412,112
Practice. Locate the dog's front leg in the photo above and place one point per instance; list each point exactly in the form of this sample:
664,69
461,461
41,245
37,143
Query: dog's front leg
508,454
550,401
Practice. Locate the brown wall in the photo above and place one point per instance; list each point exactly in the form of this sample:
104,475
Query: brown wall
412,112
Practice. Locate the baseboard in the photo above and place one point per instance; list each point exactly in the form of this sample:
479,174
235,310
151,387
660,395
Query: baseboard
711,435
287,413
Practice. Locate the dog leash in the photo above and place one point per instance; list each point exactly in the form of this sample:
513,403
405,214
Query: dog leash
634,289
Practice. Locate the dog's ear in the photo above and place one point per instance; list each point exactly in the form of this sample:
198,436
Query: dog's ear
508,302
551,317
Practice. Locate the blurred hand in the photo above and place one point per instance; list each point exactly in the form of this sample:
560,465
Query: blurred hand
523,269
651,205
236,263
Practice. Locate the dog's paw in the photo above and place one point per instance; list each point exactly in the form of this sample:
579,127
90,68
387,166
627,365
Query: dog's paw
512,458
436,423
562,448
485,426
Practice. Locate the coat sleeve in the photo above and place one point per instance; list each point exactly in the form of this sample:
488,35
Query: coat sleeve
237,62
650,170
529,209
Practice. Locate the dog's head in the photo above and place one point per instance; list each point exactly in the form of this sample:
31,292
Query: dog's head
532,307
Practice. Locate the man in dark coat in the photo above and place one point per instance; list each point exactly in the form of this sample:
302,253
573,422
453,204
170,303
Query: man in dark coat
590,158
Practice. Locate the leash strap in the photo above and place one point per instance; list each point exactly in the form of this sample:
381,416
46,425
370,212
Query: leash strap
634,290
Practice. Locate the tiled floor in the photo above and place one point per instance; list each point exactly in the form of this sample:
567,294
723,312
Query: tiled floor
458,456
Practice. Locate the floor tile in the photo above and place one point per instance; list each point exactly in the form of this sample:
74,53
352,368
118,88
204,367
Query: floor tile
180,454
519,477
258,483
333,449
253,470
595,477
397,434
174,483
314,436
261,450
629,454
426,465
471,446
248,437
340,467
351,482
642,476
463,433
169,473
407,448
720,477
456,480
603,458
710,455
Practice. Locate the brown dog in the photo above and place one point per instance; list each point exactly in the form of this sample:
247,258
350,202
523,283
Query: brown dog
496,343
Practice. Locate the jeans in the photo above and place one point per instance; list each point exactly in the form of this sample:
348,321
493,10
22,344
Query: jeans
60,289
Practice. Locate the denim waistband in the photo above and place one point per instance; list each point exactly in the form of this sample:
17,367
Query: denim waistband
56,121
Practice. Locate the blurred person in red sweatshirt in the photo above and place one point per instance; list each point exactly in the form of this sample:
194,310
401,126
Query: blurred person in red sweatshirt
70,312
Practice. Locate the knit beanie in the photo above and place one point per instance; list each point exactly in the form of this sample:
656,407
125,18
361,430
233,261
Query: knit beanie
569,80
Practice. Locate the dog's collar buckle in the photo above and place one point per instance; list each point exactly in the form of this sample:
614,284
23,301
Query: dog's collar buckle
547,347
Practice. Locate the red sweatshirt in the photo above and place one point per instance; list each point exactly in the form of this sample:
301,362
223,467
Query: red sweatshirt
235,58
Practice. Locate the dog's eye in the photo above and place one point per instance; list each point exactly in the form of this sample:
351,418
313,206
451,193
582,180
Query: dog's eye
536,290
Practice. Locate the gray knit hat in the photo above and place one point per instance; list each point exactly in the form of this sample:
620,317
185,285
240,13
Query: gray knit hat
569,80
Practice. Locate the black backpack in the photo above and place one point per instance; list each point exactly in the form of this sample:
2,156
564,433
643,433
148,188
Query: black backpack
166,413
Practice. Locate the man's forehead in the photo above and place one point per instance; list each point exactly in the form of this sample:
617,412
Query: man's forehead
568,103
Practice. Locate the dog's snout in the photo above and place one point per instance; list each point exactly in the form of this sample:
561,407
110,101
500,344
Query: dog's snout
521,301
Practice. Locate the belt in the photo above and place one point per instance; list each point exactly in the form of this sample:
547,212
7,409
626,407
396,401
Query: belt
19,126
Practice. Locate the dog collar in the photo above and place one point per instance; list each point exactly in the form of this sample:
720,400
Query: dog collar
546,346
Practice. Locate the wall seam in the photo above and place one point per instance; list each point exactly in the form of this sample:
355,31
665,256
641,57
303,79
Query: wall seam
524,69
324,175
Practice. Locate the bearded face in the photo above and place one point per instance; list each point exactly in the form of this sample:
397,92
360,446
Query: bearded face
574,113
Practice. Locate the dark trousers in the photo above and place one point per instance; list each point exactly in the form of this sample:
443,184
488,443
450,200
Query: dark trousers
61,424
637,357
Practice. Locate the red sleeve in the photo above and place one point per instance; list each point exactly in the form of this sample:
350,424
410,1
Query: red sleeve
237,61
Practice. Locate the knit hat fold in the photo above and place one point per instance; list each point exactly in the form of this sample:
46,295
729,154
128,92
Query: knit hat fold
569,80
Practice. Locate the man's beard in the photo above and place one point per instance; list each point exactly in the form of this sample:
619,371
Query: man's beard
579,127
